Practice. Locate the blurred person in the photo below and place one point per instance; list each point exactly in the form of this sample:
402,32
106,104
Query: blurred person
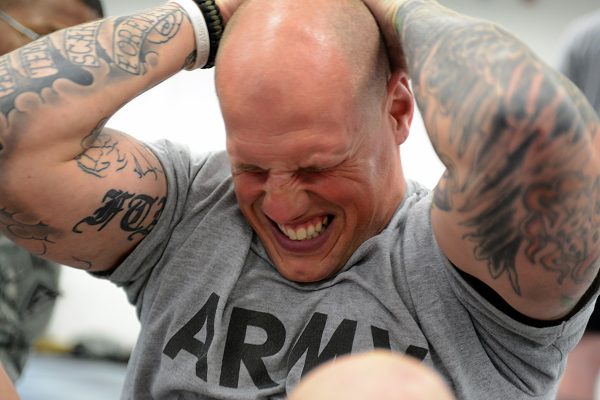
28,283
304,242
580,62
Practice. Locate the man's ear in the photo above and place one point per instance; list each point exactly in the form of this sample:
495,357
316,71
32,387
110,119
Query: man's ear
400,105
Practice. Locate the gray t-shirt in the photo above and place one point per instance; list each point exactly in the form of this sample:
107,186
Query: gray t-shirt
219,322
580,56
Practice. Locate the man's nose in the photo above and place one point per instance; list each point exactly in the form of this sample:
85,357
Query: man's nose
284,201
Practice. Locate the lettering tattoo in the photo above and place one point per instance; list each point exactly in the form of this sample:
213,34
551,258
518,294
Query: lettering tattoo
81,45
37,60
39,64
522,136
134,211
8,84
133,34
14,225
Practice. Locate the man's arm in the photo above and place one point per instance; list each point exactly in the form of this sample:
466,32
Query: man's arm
71,190
519,204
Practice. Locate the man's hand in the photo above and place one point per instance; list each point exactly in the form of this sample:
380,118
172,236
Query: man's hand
385,13
228,7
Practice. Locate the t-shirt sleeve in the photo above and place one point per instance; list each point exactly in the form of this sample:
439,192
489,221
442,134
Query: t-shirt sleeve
528,356
190,178
531,358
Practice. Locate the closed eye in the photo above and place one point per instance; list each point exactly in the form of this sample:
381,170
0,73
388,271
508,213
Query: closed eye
248,168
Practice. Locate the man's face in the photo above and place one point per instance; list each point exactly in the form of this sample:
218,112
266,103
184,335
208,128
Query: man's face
42,17
312,173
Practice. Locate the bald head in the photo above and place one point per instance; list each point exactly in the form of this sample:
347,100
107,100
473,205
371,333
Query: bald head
278,47
376,375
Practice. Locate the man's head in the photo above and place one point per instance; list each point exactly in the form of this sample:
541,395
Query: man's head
43,17
314,121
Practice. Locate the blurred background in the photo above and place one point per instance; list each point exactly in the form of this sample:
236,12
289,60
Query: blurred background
184,109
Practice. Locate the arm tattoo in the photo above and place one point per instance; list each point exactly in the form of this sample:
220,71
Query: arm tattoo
522,136
38,65
36,232
133,34
133,210
103,156
81,45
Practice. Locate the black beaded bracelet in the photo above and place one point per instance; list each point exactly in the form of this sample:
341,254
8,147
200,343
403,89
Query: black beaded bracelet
215,25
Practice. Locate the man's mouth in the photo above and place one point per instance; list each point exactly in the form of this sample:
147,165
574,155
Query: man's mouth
306,231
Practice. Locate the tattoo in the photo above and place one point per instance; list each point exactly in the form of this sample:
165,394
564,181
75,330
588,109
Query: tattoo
36,232
522,137
139,208
80,45
133,33
8,84
559,234
136,209
442,195
103,156
37,59
40,64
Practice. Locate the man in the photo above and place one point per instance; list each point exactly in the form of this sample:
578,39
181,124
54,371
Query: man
28,284
305,242
579,60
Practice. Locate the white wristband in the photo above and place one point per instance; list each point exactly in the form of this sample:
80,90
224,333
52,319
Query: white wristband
200,31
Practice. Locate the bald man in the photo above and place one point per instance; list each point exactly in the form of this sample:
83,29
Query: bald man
304,242
29,284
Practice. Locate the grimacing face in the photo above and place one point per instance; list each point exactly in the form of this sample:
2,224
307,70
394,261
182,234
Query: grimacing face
315,174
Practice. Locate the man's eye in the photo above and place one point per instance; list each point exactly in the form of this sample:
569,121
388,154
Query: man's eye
249,170
314,170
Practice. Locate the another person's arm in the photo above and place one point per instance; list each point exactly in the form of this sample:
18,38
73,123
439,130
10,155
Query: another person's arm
518,205
71,190
7,389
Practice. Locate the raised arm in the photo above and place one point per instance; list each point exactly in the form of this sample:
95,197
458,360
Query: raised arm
71,190
519,204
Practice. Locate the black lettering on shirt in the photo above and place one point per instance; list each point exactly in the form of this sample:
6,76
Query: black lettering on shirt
185,340
309,342
237,351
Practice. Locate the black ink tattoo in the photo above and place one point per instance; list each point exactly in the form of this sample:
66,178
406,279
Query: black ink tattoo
113,205
41,64
38,232
81,45
103,155
137,208
37,59
8,84
447,186
522,136
559,234
132,34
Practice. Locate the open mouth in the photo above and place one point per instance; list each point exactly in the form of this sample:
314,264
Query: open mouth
307,231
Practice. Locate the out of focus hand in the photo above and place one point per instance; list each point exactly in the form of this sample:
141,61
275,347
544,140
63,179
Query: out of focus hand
385,13
228,7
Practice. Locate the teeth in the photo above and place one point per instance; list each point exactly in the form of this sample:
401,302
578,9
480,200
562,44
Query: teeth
305,232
